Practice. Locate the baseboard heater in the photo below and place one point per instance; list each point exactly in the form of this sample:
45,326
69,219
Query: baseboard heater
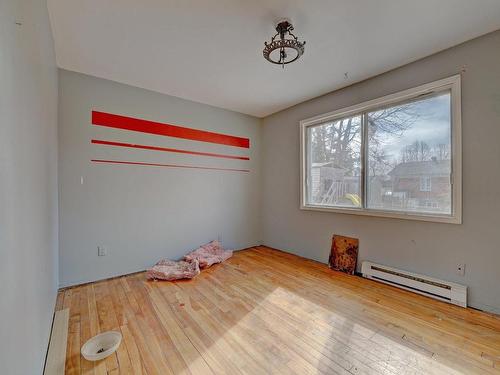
439,289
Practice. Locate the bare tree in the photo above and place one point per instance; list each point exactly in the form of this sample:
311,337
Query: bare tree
442,151
339,141
421,151
380,163
392,121
417,151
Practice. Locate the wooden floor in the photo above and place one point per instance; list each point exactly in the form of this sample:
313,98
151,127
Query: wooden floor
269,312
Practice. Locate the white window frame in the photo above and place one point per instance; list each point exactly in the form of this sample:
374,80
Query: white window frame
453,84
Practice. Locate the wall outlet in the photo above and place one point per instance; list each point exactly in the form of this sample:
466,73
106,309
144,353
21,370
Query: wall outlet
461,270
101,251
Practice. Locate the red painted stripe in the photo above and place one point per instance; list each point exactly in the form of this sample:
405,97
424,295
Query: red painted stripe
158,128
166,165
155,148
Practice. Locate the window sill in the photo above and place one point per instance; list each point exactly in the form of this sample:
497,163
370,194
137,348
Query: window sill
386,214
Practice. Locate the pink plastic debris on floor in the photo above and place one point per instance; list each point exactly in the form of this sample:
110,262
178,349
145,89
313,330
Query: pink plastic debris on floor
170,270
209,254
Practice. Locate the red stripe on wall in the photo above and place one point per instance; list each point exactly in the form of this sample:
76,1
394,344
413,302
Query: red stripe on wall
165,149
166,165
158,128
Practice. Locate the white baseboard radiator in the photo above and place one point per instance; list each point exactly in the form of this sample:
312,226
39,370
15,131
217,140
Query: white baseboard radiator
439,289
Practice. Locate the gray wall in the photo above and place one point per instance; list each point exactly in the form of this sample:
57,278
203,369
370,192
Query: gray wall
28,185
141,214
428,248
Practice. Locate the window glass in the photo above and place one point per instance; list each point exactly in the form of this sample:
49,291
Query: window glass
409,156
334,163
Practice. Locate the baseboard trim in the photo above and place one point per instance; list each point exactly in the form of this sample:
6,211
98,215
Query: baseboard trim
70,285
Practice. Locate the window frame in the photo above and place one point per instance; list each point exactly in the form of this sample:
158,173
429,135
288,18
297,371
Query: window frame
453,84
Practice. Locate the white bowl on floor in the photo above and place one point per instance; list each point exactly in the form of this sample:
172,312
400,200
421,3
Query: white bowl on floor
102,345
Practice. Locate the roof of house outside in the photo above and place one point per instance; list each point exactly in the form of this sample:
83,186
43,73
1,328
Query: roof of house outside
422,168
329,164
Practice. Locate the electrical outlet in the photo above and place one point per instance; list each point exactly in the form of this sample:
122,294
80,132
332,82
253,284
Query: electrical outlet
101,251
461,270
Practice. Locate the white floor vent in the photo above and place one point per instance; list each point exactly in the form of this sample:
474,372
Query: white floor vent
428,286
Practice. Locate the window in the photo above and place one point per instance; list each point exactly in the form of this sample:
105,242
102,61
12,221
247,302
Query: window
397,156
335,164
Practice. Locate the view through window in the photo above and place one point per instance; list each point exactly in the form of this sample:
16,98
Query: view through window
394,158
335,168
409,158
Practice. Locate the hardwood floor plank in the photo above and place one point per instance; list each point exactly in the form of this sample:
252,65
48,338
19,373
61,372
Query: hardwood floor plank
59,300
180,340
87,367
107,319
409,323
269,312
73,360
56,355
98,367
146,330
132,351
228,350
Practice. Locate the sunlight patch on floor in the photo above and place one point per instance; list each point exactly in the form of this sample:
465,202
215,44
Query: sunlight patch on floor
336,336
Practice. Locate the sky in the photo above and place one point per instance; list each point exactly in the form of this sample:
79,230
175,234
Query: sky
432,127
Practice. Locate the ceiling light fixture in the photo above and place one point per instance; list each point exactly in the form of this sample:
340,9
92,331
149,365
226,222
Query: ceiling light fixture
288,48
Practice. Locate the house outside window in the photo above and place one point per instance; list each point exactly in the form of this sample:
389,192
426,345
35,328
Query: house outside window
398,156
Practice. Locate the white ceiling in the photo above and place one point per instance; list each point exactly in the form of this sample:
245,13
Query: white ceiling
210,51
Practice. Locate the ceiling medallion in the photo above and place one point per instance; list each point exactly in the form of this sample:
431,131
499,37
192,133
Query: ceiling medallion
288,48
